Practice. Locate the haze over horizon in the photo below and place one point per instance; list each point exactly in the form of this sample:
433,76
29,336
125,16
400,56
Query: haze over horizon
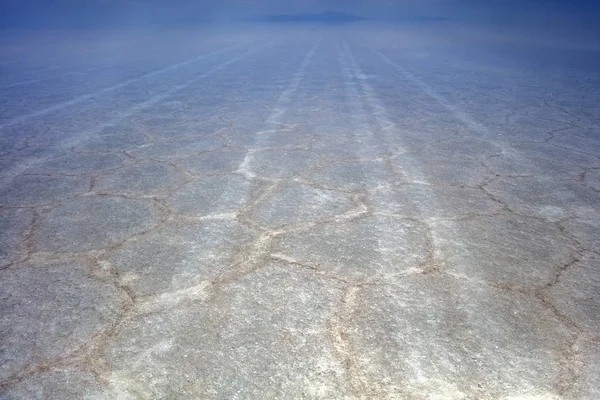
138,13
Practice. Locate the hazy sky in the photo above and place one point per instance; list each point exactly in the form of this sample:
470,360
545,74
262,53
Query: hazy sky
139,11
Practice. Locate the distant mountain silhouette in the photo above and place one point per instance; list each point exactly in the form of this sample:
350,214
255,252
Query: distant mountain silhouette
328,17
424,18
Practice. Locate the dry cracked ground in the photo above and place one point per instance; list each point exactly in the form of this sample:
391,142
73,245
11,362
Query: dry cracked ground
402,213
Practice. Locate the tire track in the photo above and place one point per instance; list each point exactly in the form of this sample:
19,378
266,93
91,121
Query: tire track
137,108
281,106
76,72
488,290
431,92
26,117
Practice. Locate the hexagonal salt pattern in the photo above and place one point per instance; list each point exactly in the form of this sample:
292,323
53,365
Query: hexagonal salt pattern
141,179
176,148
545,198
467,148
349,147
30,190
279,163
325,214
262,335
353,176
116,142
295,203
227,160
181,255
574,294
443,171
220,194
586,230
504,250
48,311
96,222
81,163
432,202
173,127
263,139
362,248
546,162
434,336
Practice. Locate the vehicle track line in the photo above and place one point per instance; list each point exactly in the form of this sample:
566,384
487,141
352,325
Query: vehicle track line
24,118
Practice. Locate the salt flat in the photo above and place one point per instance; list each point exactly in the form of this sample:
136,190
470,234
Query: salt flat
395,212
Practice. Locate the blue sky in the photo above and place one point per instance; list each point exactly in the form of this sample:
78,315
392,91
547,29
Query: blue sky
82,11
